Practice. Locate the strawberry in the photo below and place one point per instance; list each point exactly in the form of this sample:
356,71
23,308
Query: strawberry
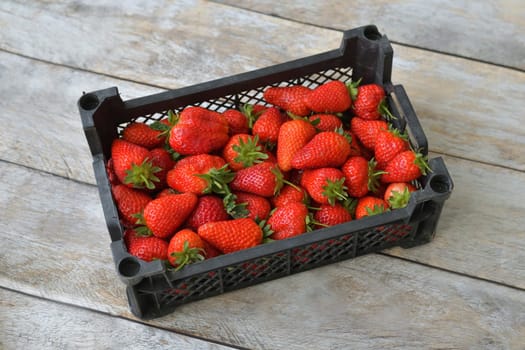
148,248
143,135
209,208
397,194
326,122
242,151
293,135
388,144
129,236
366,130
289,98
161,158
324,185
166,192
289,221
330,97
369,101
330,215
290,194
264,179
355,146
251,112
198,130
132,165
405,167
369,205
185,247
232,235
361,176
129,202
325,149
198,174
237,122
210,251
112,177
257,206
164,215
267,126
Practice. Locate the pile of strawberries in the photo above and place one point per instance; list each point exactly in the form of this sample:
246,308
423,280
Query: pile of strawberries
201,183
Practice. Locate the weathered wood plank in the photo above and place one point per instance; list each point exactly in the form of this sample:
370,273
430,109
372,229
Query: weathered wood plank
182,43
482,31
31,323
483,215
456,119
40,121
375,301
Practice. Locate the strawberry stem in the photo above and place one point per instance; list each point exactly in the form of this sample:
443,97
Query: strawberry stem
143,175
187,256
335,190
352,88
384,111
249,152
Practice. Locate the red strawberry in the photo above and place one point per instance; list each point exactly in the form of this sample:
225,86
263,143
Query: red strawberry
185,247
388,144
210,251
289,98
326,122
267,126
143,135
198,174
242,151
397,194
257,206
198,130
369,205
112,177
324,185
361,176
237,122
148,248
264,179
330,97
129,236
161,159
330,215
209,208
405,167
164,215
232,235
129,202
355,146
289,221
252,112
290,194
325,149
369,101
366,130
132,165
293,135
167,191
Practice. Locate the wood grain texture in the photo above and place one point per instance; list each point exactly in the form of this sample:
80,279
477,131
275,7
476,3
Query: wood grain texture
467,109
482,225
374,301
180,43
41,125
31,323
490,31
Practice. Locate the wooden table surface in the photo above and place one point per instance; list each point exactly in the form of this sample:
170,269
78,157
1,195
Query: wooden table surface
463,66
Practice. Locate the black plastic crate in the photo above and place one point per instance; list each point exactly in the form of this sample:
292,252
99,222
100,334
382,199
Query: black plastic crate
153,290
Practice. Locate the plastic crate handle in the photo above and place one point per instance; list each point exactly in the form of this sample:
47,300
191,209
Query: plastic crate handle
406,112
